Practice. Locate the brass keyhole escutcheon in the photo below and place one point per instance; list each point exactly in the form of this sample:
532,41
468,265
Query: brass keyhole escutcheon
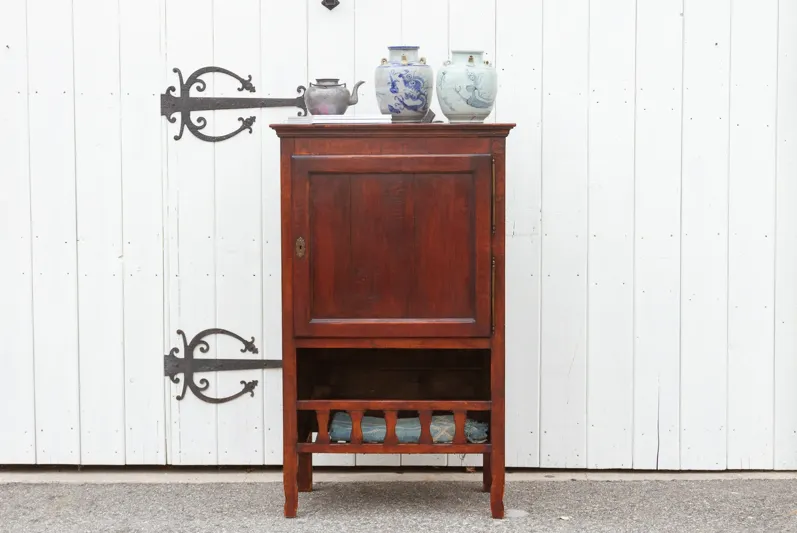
300,247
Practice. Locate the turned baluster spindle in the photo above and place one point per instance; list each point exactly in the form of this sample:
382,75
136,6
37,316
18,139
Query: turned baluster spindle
391,418
459,431
356,427
426,429
323,427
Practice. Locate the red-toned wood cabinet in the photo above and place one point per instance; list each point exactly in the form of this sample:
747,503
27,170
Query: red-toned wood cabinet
392,294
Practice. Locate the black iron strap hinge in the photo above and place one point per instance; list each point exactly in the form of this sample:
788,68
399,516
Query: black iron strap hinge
184,103
188,365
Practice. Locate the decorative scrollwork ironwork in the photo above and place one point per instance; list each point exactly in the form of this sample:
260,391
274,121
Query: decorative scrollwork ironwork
184,103
188,365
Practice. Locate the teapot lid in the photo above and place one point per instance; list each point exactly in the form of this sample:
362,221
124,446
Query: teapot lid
328,82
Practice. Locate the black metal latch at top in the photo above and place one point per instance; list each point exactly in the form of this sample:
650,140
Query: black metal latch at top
184,103
188,365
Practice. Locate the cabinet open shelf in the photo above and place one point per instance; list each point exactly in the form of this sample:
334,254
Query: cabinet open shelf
321,411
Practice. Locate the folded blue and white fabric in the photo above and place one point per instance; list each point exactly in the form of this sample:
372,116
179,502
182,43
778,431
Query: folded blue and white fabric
408,430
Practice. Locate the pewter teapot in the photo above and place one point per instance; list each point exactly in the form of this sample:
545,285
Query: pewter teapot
328,97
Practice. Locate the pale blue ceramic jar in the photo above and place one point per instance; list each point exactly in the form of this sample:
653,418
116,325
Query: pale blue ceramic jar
404,84
466,87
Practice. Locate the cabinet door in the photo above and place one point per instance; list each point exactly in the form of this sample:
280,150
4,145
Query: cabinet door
392,246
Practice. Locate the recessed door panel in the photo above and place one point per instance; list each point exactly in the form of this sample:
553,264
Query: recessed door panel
392,246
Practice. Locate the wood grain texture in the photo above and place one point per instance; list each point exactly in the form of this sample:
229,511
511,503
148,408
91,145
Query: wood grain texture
424,406
407,258
398,448
403,342
498,353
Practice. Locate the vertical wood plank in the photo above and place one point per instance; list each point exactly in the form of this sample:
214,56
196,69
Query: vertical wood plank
53,216
236,39
786,243
425,24
519,62
17,424
704,235
471,25
325,59
657,235
610,268
751,227
142,78
192,264
99,227
564,242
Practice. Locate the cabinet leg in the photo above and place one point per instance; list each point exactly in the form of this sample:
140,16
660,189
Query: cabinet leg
497,485
290,471
487,475
305,472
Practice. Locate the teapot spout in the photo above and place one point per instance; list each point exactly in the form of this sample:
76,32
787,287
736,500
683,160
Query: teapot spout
354,98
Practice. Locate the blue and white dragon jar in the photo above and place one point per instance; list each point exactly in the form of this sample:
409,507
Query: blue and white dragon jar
466,87
404,84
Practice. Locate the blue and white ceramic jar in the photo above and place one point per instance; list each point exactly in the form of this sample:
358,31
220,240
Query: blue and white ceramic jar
404,84
466,87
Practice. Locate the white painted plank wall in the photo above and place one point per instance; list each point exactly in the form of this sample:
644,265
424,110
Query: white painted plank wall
751,240
610,240
785,435
141,47
704,235
650,225
657,235
563,296
51,104
18,425
100,254
519,48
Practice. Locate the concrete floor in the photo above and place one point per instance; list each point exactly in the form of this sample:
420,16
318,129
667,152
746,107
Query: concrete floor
65,502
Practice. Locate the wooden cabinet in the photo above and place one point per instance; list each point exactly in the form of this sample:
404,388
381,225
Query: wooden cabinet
393,291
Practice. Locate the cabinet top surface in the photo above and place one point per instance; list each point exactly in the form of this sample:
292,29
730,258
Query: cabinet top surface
394,130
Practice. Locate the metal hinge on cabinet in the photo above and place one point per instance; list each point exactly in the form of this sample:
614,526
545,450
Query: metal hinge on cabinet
493,194
492,297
